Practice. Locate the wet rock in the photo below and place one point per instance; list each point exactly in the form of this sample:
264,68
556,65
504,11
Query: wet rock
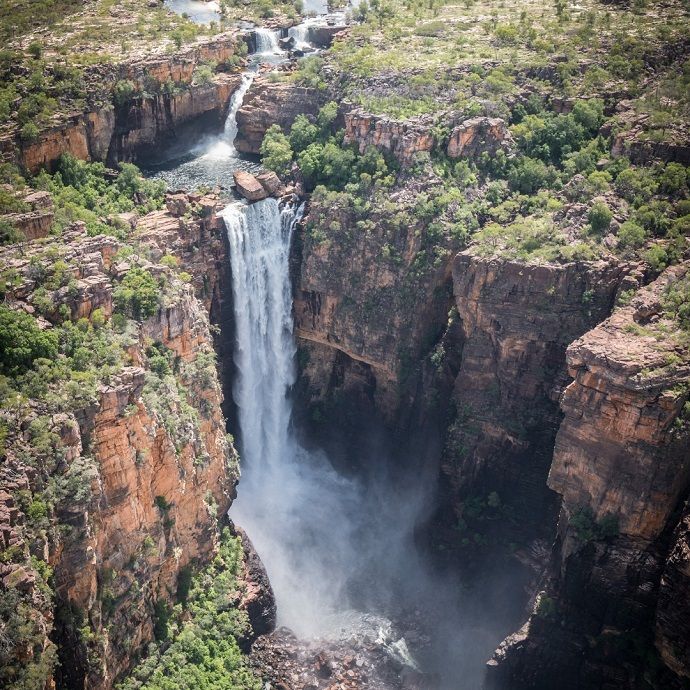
248,186
258,601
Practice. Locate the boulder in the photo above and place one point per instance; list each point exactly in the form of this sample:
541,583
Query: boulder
271,183
248,186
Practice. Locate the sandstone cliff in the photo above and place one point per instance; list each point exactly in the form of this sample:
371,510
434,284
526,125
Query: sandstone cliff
140,465
268,103
165,96
621,466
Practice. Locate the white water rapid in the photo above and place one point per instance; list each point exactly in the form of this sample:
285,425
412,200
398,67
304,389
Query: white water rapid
266,41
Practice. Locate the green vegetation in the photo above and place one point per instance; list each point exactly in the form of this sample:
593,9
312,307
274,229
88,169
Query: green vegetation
82,191
197,638
139,294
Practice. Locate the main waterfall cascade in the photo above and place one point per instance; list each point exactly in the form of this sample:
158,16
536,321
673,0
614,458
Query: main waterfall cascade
281,502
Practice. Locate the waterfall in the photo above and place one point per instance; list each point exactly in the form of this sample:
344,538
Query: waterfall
230,128
259,236
292,503
266,41
301,35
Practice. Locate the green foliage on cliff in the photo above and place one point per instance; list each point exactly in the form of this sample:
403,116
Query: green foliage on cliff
139,294
85,192
200,650
22,342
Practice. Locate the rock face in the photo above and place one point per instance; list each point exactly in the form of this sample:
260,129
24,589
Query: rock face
403,139
268,103
38,220
248,186
621,466
142,125
477,135
157,469
516,321
354,295
132,129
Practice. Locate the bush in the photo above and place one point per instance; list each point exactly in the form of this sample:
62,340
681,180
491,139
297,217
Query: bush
302,133
123,91
22,342
35,50
138,294
657,258
528,175
203,74
276,152
599,217
630,234
29,133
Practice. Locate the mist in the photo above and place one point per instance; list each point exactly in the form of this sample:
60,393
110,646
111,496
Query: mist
341,547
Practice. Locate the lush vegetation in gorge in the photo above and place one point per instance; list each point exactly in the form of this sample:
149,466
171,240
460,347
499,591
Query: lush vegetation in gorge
197,645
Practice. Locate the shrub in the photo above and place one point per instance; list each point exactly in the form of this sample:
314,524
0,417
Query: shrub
302,133
22,342
528,175
9,234
29,133
138,295
636,185
657,258
35,50
673,179
203,74
276,152
599,217
630,234
123,91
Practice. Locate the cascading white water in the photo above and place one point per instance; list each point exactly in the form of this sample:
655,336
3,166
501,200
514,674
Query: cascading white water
300,34
266,41
286,500
259,236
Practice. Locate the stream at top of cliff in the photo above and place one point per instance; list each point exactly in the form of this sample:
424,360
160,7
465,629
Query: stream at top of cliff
357,599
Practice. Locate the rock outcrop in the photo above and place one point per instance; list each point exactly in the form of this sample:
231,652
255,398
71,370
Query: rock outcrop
36,222
146,467
516,320
148,118
248,186
268,103
404,139
477,135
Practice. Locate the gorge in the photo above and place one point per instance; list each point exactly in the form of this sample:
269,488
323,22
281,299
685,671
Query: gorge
373,374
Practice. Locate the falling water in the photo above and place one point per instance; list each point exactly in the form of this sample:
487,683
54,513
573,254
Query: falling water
266,41
292,503
300,34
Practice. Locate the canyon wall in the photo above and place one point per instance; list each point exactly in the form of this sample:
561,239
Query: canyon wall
144,466
165,96
621,466
267,103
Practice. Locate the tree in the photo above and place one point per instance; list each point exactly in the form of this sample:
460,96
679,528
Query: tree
630,234
138,294
276,152
302,133
22,342
599,216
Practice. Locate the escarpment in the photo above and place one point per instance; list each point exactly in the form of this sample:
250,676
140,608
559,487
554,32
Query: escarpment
621,466
267,103
119,488
516,320
156,96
